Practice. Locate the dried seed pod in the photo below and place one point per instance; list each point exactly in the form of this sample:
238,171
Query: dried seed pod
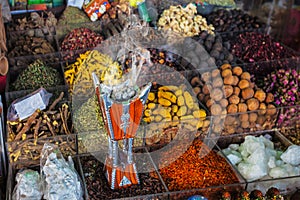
246,76
236,91
216,109
252,104
244,84
234,99
216,94
242,107
229,80
247,93
244,117
253,117
237,70
226,72
232,108
228,90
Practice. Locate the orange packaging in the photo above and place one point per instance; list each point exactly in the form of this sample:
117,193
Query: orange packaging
95,8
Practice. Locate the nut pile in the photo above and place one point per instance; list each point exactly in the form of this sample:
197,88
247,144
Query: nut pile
233,20
184,21
254,47
293,134
27,137
98,188
37,75
192,171
216,48
170,107
78,39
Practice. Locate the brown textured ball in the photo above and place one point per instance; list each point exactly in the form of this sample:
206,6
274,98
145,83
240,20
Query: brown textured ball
236,91
244,84
207,88
253,117
232,108
271,109
216,109
245,124
215,73
246,76
247,93
234,99
242,107
228,80
216,94
225,66
223,103
217,82
262,109
237,70
244,117
270,98
206,77
228,89
260,95
210,102
236,80
252,104
226,72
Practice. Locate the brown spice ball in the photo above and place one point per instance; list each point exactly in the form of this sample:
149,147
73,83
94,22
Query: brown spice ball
271,109
260,95
217,94
252,104
244,84
236,80
253,117
246,76
197,90
228,89
232,108
247,93
223,103
229,120
270,98
242,107
245,124
228,80
226,72
237,70
216,109
236,91
207,88
210,102
215,73
234,99
262,109
217,82
200,97
225,66
206,77
244,117
195,81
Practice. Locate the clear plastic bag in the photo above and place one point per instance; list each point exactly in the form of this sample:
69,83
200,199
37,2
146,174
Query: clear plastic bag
60,179
24,107
28,186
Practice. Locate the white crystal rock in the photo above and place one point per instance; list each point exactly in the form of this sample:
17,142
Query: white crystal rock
278,172
267,142
234,158
234,147
251,171
292,155
272,162
252,143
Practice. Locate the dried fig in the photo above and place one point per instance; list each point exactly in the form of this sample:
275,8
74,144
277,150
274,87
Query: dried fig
235,80
244,117
244,84
216,109
252,104
224,103
229,120
217,82
216,94
228,80
262,109
195,81
197,90
270,98
226,72
247,93
215,73
207,88
253,117
225,66
206,77
245,124
271,109
210,102
236,91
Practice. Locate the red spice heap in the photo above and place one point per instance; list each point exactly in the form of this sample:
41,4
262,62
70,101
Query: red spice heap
190,171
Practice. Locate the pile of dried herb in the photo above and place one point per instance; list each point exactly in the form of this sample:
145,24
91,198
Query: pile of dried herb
37,75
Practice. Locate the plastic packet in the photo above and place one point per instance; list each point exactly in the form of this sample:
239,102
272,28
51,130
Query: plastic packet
75,3
24,107
60,179
28,186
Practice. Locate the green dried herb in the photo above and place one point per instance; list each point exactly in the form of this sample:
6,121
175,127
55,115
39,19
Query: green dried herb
37,75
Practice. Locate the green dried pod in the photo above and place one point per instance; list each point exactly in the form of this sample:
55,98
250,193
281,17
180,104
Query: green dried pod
37,75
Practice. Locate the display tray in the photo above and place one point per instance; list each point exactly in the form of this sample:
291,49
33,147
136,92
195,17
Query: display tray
150,187
13,170
287,184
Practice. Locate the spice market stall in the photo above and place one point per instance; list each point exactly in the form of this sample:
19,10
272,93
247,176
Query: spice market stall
150,100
